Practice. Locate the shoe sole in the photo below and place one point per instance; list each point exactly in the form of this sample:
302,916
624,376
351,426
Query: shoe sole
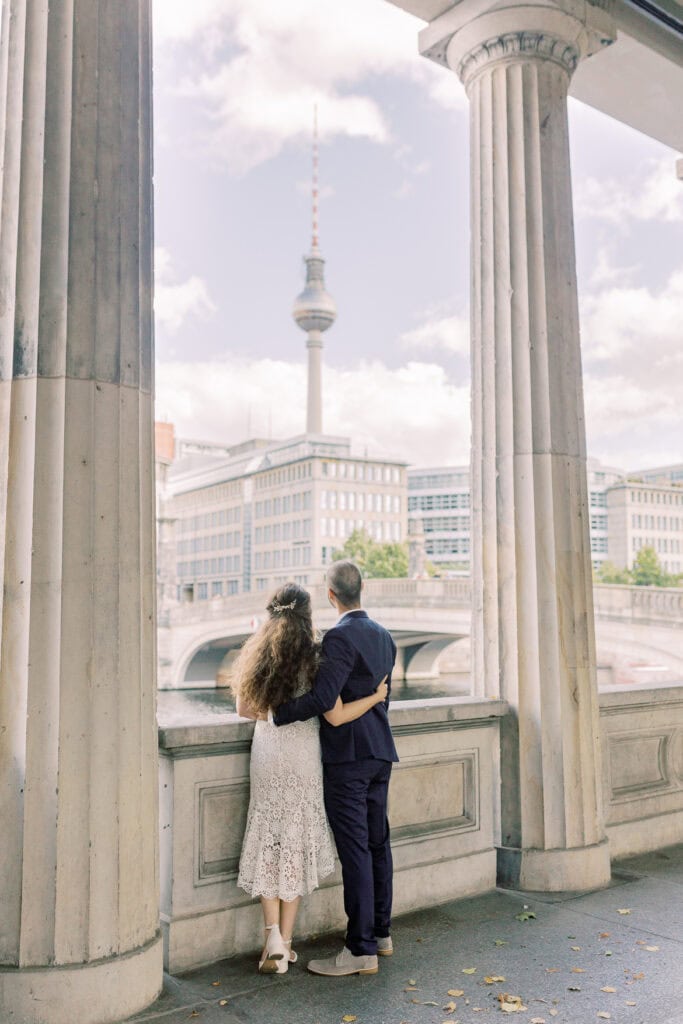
271,965
385,952
346,974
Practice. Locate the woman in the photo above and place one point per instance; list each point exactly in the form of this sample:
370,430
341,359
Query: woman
287,846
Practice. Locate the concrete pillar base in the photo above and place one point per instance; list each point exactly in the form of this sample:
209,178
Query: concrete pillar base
573,870
102,992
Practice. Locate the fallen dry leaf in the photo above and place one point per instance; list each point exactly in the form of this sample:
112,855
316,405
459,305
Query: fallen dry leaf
652,949
411,981
578,970
499,942
511,1004
348,1017
449,1007
215,984
551,970
624,910
455,992
575,948
430,1002
630,1002
608,988
604,1015
538,1020
222,1002
604,935
639,976
554,1013
410,988
526,915
469,970
492,979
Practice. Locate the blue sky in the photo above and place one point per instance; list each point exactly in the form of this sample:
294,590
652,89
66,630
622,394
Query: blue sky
235,84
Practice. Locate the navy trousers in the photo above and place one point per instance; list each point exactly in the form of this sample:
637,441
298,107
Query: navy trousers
356,805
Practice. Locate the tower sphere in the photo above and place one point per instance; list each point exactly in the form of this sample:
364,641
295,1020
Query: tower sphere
314,309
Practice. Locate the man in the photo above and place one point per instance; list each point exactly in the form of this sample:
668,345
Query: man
357,655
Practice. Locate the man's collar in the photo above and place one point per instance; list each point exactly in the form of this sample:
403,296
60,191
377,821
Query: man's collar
352,611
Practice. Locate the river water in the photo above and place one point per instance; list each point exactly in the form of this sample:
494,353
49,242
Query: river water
180,707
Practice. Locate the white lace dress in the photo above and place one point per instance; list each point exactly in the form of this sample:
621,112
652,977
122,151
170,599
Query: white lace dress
287,845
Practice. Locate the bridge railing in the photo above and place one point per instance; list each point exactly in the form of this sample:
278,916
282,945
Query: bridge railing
611,601
639,604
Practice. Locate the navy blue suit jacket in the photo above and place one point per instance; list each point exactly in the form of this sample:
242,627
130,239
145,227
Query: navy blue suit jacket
356,655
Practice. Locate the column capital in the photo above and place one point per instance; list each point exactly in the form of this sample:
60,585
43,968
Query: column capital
476,33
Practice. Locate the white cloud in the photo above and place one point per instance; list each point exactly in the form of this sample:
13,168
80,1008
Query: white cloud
264,64
413,412
651,192
633,362
175,302
439,330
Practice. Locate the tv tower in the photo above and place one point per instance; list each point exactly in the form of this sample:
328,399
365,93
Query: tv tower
314,309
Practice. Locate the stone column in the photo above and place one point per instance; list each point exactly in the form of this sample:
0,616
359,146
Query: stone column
533,638
79,928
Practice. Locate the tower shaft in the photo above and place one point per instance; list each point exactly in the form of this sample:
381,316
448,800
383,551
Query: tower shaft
314,406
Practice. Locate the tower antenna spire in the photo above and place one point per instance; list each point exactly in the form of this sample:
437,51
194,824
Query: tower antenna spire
314,244
314,309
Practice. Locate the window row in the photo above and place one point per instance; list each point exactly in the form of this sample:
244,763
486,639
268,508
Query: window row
209,519
648,522
599,545
360,502
440,482
282,506
426,502
379,531
210,542
440,524
447,546
209,566
283,559
293,530
362,471
299,471
657,497
662,545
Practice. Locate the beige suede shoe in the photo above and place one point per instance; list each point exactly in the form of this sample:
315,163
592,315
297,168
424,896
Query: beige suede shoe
385,946
344,963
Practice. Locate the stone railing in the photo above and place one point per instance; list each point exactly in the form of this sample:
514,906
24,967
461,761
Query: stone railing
443,795
441,807
642,754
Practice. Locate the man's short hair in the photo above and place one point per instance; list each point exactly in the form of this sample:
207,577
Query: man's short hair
345,580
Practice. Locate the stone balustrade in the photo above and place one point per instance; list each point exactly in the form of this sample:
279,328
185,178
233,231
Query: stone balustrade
441,807
444,811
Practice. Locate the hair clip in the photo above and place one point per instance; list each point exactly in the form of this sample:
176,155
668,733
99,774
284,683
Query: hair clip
282,607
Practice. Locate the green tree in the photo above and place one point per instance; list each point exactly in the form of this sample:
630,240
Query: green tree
375,561
608,573
647,569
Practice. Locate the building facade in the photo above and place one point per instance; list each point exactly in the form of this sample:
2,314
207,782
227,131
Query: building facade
270,513
439,497
646,515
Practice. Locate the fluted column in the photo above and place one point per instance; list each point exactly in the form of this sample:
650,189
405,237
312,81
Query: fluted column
79,936
533,632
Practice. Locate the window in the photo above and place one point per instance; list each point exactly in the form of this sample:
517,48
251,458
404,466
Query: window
202,591
217,588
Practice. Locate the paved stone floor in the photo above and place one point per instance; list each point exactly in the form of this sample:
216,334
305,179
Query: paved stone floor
627,939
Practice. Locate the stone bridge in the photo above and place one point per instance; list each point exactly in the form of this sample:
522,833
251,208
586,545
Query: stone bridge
639,630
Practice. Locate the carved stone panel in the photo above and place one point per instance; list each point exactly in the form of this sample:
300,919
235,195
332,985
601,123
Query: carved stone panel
220,816
434,795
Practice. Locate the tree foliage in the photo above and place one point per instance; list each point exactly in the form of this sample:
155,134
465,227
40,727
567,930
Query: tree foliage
375,560
647,571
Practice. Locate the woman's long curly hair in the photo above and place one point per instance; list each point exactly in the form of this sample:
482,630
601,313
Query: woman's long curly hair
281,659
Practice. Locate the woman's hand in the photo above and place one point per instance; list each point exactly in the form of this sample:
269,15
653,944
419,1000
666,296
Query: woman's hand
382,691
